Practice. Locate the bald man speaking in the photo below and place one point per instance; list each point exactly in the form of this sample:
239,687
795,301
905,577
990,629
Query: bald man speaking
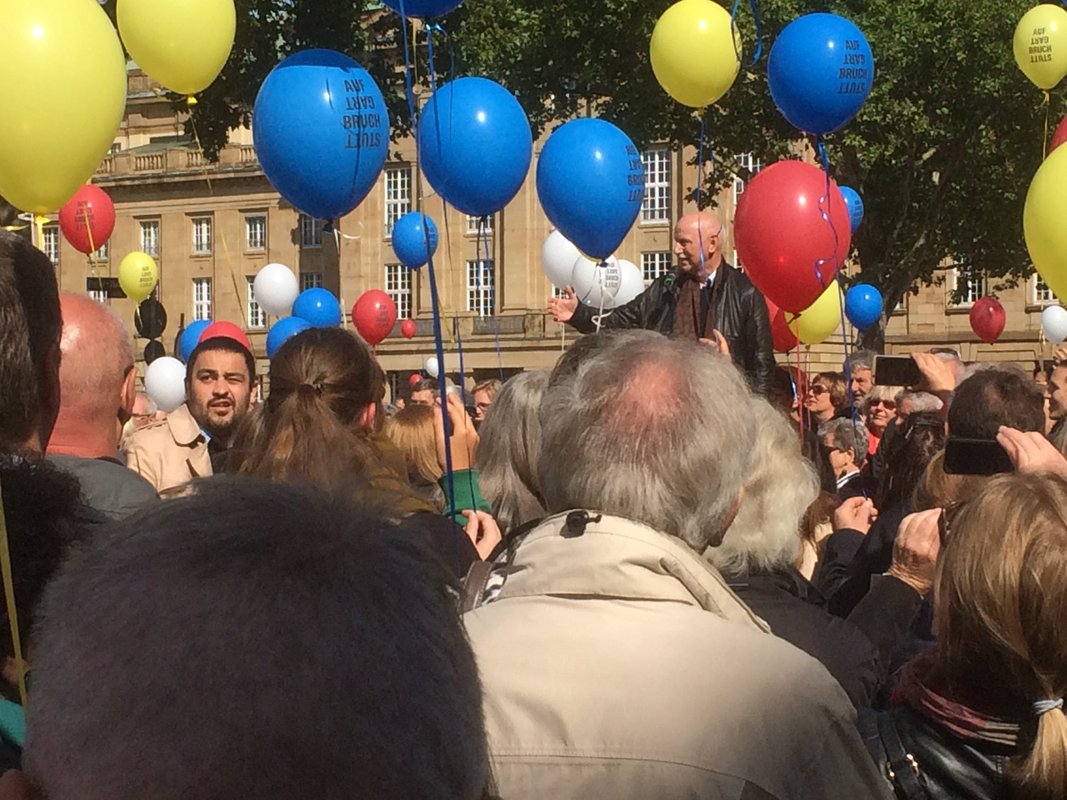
703,298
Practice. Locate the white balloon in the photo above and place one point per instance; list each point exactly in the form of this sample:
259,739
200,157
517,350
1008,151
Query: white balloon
431,367
557,259
276,288
1054,323
596,283
164,382
632,283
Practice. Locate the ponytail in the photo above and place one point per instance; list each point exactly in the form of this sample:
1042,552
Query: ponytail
1041,774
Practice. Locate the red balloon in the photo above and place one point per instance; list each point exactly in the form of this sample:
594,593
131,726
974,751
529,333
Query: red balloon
226,330
407,328
88,218
792,235
784,339
414,379
988,319
374,316
1060,136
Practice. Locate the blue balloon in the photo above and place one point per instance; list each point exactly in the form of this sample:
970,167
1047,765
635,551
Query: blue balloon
591,182
422,9
190,338
410,239
475,144
820,72
855,206
321,132
863,305
282,331
318,307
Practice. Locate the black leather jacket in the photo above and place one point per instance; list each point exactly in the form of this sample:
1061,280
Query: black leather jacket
740,315
924,762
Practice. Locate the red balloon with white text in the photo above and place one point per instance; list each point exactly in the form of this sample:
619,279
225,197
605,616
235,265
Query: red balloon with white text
88,219
374,316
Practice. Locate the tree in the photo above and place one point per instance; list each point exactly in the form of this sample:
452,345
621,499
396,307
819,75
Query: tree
942,153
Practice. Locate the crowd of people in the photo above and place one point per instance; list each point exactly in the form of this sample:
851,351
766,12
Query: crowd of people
642,573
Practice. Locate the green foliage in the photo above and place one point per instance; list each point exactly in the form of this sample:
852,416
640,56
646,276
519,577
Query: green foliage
942,153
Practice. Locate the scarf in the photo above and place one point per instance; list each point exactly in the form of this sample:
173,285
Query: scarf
962,721
694,313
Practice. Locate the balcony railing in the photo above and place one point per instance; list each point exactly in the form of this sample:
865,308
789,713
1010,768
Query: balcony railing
177,161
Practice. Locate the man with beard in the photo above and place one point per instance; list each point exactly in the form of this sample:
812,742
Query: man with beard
220,388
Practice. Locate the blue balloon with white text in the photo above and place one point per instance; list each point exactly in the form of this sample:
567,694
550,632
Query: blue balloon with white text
820,72
318,307
282,331
854,203
321,132
414,239
863,305
475,144
591,183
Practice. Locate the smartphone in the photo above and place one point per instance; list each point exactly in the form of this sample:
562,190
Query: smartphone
896,371
976,457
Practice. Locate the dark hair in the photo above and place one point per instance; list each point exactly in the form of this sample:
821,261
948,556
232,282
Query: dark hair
278,642
30,328
44,515
910,451
226,345
321,382
993,397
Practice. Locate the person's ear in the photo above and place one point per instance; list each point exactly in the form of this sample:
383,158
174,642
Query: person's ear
253,396
128,395
366,419
14,785
728,520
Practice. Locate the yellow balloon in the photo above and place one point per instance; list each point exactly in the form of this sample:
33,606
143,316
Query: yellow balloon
695,52
62,96
1040,45
1045,221
183,44
138,275
819,321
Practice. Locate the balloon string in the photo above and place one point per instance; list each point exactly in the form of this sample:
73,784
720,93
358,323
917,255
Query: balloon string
824,212
483,233
800,396
1044,140
700,159
759,29
12,609
221,228
442,384
409,91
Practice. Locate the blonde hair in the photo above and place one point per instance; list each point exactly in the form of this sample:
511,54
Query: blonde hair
1001,601
938,488
412,430
779,487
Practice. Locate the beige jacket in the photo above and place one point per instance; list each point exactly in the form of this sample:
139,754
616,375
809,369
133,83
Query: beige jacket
170,453
619,664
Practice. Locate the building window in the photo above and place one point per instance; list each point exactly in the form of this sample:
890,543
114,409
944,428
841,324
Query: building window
99,295
965,289
480,287
310,280
397,196
201,298
654,264
50,243
201,236
253,313
398,287
310,231
1040,293
472,223
150,237
656,206
256,232
752,164
101,253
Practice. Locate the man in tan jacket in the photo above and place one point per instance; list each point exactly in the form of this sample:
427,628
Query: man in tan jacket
220,388
615,661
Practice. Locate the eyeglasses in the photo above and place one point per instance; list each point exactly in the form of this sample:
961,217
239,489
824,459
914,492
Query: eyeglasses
948,518
817,389
889,405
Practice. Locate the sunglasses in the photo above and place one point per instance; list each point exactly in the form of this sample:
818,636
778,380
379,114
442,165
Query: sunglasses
887,404
817,389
